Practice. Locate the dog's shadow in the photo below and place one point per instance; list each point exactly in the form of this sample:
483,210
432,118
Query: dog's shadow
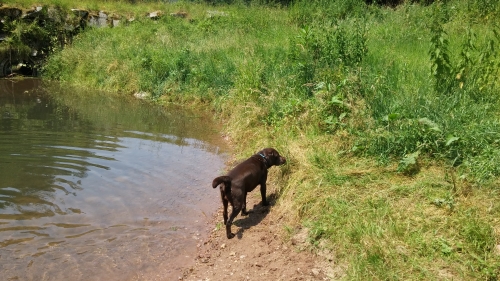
257,215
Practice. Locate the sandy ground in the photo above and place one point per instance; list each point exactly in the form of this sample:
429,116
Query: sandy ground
258,252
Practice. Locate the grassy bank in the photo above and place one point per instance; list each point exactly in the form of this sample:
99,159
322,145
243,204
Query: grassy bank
389,118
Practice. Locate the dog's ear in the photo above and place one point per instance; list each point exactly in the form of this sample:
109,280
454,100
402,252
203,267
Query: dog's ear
268,151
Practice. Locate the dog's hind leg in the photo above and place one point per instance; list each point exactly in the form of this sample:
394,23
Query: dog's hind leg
224,183
234,213
225,204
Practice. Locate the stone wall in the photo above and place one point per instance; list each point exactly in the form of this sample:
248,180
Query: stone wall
23,55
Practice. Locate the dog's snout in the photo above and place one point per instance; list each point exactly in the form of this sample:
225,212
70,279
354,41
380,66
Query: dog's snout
282,160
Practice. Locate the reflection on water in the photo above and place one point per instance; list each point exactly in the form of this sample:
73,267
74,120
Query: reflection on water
98,188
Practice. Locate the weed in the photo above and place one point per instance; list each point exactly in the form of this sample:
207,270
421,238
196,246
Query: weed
440,60
409,164
442,202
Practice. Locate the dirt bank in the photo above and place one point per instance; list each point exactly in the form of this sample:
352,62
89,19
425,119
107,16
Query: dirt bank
258,251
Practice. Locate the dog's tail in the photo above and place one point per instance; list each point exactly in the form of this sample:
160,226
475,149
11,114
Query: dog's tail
226,187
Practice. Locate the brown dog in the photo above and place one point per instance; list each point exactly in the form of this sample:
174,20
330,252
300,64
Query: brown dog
244,178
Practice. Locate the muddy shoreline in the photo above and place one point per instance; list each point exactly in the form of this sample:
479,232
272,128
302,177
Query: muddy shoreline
258,252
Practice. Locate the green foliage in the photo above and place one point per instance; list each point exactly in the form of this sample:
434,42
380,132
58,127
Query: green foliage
478,66
440,60
334,111
448,119
409,164
323,56
305,12
483,10
330,44
33,37
448,201
479,234
15,43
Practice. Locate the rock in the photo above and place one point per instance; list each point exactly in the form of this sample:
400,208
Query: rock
212,14
80,13
103,19
142,95
99,20
155,15
12,13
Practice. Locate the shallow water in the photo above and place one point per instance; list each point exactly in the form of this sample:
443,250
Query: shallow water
94,187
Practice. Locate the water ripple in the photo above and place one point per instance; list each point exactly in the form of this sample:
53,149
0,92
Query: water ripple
95,186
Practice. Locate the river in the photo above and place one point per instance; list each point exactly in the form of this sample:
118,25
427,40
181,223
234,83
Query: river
99,187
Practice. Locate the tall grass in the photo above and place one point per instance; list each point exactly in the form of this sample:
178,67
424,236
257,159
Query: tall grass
388,116
449,114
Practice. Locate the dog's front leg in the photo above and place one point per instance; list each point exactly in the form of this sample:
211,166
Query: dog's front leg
263,189
263,194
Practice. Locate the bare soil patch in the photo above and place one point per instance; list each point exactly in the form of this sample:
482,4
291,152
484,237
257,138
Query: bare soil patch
258,252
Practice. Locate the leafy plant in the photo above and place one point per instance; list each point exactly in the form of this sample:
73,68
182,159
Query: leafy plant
465,65
479,234
439,53
409,164
448,201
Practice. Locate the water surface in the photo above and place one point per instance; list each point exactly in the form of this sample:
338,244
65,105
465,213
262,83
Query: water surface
95,187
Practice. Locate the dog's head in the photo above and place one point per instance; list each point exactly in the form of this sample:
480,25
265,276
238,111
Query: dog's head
273,158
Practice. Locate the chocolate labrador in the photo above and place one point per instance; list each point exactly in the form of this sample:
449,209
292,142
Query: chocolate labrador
244,178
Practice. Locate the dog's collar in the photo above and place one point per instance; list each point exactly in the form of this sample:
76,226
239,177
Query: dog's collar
264,160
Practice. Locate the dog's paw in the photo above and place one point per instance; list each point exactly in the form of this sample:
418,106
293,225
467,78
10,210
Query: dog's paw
264,210
230,236
246,213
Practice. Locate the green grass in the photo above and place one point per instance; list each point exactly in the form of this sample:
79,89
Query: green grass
391,167
120,7
172,58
